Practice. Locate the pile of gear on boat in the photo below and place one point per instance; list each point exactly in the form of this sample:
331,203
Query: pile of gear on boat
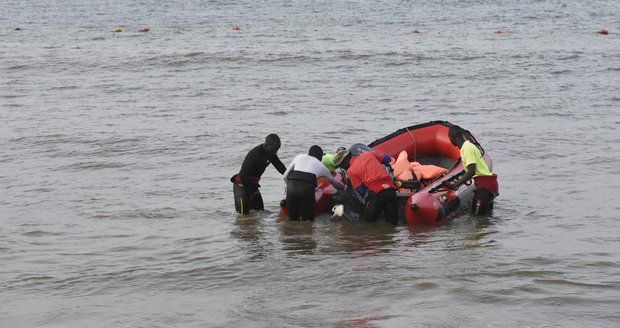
364,182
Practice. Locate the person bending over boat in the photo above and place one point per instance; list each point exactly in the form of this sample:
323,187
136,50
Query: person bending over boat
328,160
245,183
300,178
475,167
368,176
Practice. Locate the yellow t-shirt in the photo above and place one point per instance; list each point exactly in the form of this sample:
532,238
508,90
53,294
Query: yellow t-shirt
470,154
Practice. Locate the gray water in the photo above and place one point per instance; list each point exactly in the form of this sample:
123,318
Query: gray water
116,150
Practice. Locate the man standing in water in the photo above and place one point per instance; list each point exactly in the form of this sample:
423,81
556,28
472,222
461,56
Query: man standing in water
245,183
475,167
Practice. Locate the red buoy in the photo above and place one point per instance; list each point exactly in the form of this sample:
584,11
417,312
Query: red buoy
498,32
236,28
603,31
415,31
144,29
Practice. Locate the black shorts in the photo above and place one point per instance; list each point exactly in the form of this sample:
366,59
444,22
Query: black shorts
385,201
247,198
300,200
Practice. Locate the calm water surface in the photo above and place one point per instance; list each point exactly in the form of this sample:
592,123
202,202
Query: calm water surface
116,149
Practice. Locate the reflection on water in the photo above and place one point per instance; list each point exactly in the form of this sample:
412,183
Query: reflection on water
365,238
359,239
250,231
336,237
479,233
321,236
297,237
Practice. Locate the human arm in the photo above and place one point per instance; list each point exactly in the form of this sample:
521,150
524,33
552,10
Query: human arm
361,190
470,171
469,155
277,163
289,169
357,183
382,158
324,172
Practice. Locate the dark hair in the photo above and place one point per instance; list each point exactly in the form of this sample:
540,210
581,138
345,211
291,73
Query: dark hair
273,140
316,151
456,134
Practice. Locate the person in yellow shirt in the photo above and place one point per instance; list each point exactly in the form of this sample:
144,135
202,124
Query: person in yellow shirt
475,167
328,160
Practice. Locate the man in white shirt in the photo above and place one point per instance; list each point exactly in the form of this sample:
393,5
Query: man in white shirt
300,177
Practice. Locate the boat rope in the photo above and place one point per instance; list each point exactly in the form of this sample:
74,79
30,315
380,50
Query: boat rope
471,138
415,146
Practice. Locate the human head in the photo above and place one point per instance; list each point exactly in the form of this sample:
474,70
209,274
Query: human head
328,161
358,149
343,159
316,152
272,143
456,135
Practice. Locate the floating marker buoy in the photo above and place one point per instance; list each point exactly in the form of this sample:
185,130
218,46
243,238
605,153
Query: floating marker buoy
498,32
144,30
236,28
17,29
603,31
415,31
118,30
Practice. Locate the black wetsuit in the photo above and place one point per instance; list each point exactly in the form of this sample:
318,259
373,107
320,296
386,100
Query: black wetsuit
246,187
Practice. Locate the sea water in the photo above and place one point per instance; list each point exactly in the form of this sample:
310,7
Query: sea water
116,151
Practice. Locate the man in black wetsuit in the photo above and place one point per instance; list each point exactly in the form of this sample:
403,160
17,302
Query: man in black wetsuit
246,187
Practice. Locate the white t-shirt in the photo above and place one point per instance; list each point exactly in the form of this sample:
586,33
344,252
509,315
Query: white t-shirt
309,164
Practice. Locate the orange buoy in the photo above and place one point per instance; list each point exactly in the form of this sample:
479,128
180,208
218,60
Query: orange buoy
603,31
144,30
236,28
118,30
498,32
17,29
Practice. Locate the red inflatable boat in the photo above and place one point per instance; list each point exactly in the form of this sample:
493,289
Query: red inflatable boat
426,144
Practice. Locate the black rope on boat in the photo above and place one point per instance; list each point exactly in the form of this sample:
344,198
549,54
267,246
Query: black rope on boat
415,145
473,140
